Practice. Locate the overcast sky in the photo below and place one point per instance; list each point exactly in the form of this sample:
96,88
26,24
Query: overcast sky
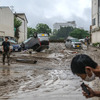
52,11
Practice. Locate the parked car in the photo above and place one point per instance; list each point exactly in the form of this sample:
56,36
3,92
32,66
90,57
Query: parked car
82,40
11,47
73,43
14,46
1,40
38,42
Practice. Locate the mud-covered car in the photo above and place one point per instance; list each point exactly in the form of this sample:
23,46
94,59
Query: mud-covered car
38,42
73,43
14,46
1,40
82,40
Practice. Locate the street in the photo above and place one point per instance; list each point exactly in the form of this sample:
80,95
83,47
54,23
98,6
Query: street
49,79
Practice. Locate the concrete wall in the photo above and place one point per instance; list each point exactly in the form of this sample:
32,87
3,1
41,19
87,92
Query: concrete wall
96,37
95,28
95,12
6,22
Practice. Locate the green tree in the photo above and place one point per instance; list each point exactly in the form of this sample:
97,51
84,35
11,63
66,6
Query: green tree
30,31
17,24
43,28
79,33
55,31
62,33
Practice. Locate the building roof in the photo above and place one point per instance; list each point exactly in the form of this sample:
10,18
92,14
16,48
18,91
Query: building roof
21,14
14,13
3,7
72,22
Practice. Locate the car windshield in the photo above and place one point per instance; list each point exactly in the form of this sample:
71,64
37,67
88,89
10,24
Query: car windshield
74,40
27,40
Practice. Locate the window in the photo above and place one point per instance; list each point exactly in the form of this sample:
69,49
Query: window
94,21
74,40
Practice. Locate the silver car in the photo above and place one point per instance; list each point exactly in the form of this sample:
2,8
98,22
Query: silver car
73,43
38,42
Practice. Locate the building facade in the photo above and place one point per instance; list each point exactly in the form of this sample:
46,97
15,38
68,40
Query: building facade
6,22
95,28
23,27
57,26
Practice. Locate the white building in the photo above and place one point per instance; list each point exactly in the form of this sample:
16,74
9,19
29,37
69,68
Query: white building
57,26
23,27
6,22
95,29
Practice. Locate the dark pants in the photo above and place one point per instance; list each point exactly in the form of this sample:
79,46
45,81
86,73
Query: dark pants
8,57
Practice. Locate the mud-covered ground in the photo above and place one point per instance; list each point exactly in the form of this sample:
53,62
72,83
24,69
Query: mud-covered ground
49,79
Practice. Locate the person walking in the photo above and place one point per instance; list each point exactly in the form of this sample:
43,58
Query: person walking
87,41
6,50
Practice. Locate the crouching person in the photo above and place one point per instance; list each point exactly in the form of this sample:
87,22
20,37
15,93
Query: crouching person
87,69
6,50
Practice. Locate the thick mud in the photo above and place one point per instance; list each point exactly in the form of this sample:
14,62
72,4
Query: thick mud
49,79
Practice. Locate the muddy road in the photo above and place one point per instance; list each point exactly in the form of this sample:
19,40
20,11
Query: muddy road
49,79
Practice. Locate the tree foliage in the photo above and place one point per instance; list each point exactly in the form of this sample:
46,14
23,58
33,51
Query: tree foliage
30,31
79,33
43,28
17,24
62,33
40,28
